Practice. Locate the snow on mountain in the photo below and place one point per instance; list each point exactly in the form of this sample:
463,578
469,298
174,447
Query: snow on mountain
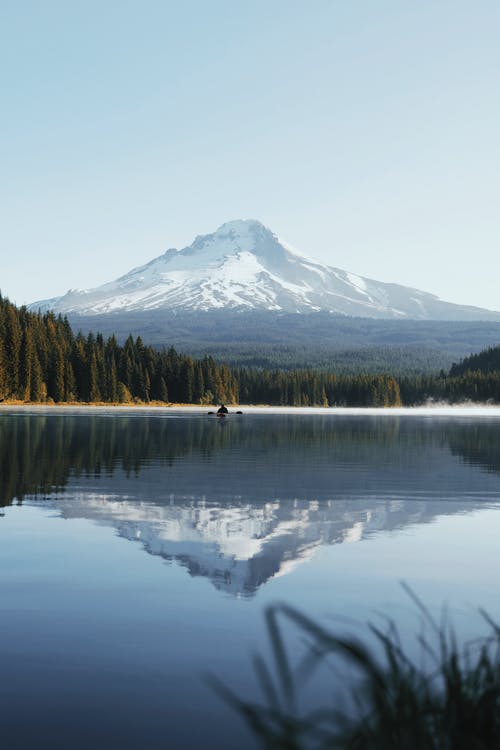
244,266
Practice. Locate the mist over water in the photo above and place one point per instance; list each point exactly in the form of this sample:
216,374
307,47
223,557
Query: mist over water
138,551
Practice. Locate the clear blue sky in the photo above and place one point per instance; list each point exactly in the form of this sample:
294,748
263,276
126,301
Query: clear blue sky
365,132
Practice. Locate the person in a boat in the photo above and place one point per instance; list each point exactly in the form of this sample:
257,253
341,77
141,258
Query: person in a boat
222,409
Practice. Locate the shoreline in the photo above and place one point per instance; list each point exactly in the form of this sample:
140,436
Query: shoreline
437,410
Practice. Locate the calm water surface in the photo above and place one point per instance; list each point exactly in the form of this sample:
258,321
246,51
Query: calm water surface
138,552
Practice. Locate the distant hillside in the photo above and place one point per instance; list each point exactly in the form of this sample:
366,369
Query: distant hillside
486,361
291,340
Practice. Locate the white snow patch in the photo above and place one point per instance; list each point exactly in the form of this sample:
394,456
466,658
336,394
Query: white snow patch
298,254
358,282
419,303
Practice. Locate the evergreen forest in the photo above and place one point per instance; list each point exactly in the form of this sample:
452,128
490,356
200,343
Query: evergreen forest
42,360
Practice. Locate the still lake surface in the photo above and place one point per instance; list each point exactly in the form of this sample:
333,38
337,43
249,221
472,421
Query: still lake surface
138,551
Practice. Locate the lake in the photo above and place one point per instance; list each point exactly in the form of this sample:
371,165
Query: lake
139,550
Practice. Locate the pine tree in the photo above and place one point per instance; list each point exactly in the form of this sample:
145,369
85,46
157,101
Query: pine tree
26,368
3,372
56,385
12,346
94,393
70,382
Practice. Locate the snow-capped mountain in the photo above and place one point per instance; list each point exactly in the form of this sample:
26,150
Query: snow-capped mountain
245,266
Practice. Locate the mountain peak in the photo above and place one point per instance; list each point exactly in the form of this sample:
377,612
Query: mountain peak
241,226
234,236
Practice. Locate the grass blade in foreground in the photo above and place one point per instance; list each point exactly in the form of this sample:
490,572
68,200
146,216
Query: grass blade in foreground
451,701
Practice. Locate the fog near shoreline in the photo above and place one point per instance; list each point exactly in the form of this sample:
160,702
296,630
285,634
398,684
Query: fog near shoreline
432,410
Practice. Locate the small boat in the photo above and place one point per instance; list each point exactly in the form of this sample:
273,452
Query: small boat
223,414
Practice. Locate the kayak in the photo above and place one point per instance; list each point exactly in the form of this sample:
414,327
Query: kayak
223,414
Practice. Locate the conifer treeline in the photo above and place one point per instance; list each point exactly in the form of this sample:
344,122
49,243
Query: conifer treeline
42,360
487,360
313,388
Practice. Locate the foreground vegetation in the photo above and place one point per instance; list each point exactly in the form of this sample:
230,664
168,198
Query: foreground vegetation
449,700
41,360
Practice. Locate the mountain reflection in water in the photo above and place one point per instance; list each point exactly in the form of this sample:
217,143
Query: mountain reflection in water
244,501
